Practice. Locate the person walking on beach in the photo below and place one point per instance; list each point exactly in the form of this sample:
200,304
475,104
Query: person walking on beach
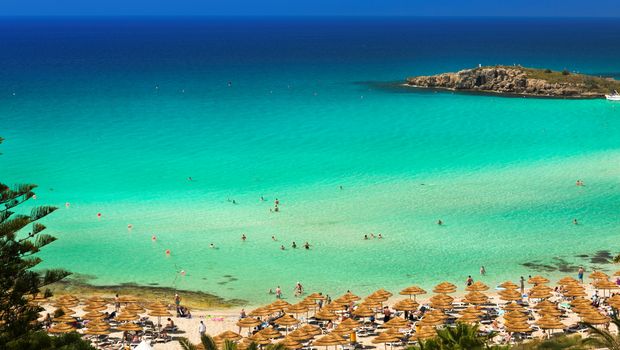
580,274
202,329
278,293
522,280
469,281
117,303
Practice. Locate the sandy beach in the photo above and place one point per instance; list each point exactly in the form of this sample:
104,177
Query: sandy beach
218,320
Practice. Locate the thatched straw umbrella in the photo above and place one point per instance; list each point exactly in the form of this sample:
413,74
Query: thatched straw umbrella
65,319
290,343
509,295
406,305
444,288
536,280
329,340
412,291
325,315
128,299
260,339
425,332
384,338
261,311
129,327
508,285
62,328
248,322
598,275
286,321
475,298
270,333
311,329
477,287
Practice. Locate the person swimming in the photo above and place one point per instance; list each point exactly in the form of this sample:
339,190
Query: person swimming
575,222
439,222
282,247
211,245
294,245
273,238
365,236
243,237
307,245
380,236
372,235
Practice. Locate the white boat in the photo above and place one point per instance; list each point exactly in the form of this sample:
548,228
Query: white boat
615,96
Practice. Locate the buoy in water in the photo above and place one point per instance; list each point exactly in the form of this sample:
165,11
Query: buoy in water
182,272
167,251
129,227
153,238
34,196
67,204
99,215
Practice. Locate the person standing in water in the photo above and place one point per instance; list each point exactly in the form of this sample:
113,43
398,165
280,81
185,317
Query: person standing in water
278,293
243,237
307,245
294,245
580,274
299,289
483,271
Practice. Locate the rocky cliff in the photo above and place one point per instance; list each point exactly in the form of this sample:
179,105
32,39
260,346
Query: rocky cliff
519,81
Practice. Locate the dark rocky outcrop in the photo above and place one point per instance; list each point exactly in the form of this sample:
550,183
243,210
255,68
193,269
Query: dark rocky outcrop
519,81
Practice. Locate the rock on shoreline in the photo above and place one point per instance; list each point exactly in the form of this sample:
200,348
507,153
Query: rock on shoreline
519,81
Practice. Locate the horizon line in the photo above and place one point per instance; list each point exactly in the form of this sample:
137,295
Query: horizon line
294,16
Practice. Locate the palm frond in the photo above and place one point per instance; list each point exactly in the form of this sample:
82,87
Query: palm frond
208,343
186,344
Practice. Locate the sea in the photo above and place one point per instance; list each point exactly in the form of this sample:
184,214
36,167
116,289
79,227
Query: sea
163,140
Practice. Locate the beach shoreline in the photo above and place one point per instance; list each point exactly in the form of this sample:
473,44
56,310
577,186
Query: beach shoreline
193,299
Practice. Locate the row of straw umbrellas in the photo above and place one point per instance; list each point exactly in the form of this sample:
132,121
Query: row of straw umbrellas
546,315
97,323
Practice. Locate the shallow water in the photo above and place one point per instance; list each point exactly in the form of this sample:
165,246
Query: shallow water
113,116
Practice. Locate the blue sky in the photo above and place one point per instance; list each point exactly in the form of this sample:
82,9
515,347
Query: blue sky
529,8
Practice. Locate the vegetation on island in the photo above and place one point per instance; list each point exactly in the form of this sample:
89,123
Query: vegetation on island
603,85
21,238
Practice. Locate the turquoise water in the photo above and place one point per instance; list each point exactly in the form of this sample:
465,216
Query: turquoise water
113,117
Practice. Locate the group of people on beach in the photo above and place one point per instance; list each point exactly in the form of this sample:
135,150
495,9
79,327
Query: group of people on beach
297,291
372,236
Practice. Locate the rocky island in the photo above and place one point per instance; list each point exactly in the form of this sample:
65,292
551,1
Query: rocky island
517,80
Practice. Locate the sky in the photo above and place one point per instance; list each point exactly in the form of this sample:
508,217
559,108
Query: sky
511,8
